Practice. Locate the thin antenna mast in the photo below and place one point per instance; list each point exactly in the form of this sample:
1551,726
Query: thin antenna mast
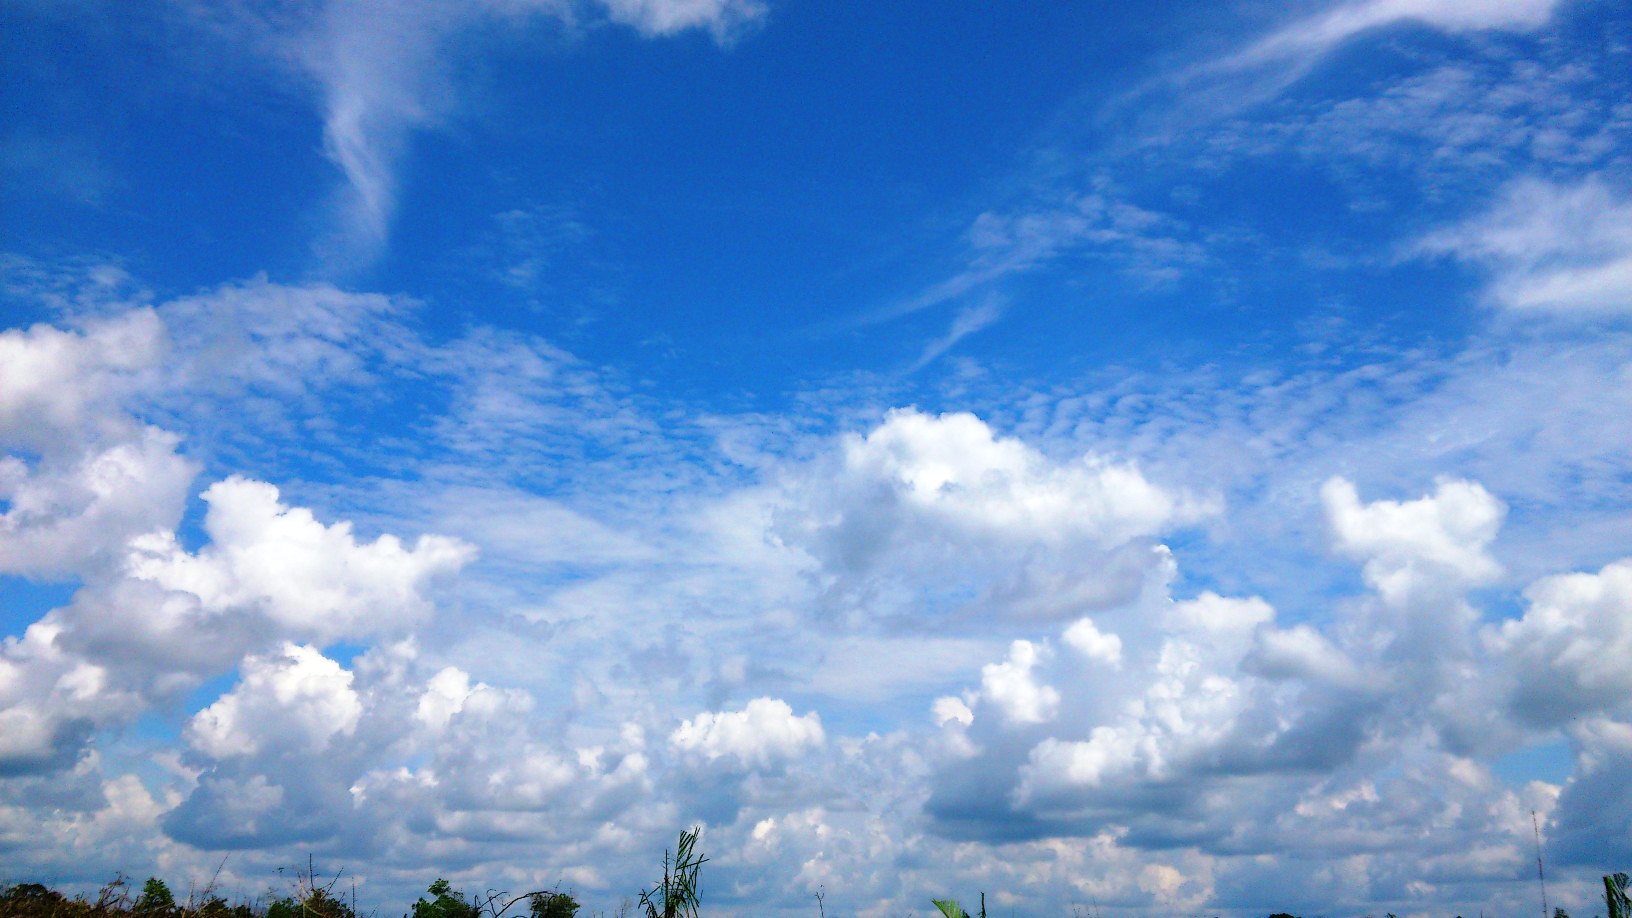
1541,875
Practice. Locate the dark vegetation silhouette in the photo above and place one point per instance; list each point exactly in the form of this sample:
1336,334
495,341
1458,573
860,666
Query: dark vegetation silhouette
677,893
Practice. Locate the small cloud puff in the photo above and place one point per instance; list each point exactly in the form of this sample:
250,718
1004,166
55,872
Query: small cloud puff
762,734
1085,638
1010,687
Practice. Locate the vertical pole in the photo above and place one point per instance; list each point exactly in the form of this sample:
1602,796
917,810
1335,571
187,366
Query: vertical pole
1541,875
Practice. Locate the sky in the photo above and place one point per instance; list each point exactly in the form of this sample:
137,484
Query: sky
1169,458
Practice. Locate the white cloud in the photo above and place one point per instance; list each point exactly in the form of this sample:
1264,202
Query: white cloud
1085,638
1567,655
1312,36
58,387
954,470
968,321
450,693
723,18
1150,246
762,734
69,515
311,579
295,700
938,518
383,71
1561,249
288,341
1011,688
1442,539
1057,766
1301,652
1221,623
1054,775
949,709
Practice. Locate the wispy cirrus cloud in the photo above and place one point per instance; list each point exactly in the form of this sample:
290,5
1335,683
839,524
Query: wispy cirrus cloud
1301,41
1563,249
382,70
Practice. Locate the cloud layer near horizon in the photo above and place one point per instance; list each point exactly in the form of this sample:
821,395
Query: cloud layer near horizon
1046,674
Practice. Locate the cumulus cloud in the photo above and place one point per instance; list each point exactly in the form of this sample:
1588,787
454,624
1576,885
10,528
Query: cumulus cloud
68,515
762,734
1100,726
450,693
309,578
1566,654
296,698
93,492
153,626
1551,248
954,469
1085,638
58,387
1011,688
1212,694
1007,530
1186,711
1407,546
1301,652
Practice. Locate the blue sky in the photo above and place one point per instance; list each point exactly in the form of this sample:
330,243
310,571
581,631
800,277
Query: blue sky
1170,457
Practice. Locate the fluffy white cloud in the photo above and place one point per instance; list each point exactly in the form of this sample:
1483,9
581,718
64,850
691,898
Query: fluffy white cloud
954,470
1439,540
949,710
89,475
450,693
937,517
58,386
66,516
1186,711
310,578
762,734
1085,638
1157,750
1567,654
1563,249
296,699
1013,690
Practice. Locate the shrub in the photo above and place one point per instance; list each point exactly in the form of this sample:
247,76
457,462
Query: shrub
155,900
552,905
448,903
